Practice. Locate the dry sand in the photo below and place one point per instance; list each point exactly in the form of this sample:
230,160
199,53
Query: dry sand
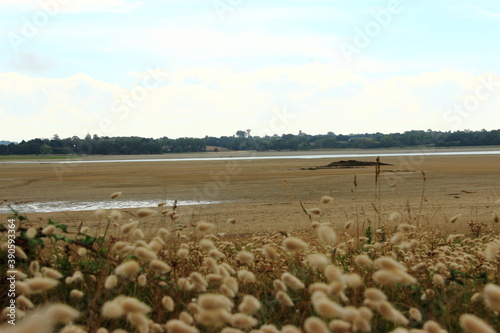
264,194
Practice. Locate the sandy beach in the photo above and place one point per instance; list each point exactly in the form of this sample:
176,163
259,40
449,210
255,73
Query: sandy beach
266,193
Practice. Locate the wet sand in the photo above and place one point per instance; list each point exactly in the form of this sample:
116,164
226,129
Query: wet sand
264,194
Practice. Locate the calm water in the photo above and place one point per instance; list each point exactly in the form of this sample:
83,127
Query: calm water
66,206
58,206
269,157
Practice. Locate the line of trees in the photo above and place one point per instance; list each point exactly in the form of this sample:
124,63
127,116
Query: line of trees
242,141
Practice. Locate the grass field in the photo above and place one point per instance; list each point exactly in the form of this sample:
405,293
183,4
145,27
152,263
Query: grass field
412,247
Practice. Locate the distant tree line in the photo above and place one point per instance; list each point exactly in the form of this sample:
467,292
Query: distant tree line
91,145
243,141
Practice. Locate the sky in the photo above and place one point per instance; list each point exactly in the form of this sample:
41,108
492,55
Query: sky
191,68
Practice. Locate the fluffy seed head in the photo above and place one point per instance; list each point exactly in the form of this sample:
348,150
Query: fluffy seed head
432,327
270,252
138,233
315,325
391,314
363,260
395,217
31,233
397,238
203,226
214,302
405,227
40,284
100,213
168,303
24,302
126,228
159,266
415,314
142,280
183,253
61,313
163,232
340,326
112,309
327,235
75,293
232,283
375,294
206,245
314,211
326,199
115,215
294,244
145,212
327,308
130,304
49,230
455,218
318,261
284,299
280,286
473,324
51,273
354,280
389,264
438,280
246,276
243,321
186,317
82,252
491,251
291,281
245,257
492,296
332,273
348,224
111,282
144,254
178,326
128,268
249,304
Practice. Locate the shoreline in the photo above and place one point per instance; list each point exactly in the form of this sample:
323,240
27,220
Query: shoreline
266,193
244,154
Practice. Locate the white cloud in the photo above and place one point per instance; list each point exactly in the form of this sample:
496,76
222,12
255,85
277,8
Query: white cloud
201,101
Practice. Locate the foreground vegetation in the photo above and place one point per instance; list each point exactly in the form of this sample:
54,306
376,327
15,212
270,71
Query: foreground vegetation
243,141
395,276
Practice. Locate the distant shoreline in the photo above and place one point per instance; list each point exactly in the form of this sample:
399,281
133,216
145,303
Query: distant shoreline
244,153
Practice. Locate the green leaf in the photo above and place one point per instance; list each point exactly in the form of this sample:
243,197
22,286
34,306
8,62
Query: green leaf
34,242
58,237
63,227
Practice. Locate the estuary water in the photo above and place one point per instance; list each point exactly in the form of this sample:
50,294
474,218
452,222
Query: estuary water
259,156
68,206
59,206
